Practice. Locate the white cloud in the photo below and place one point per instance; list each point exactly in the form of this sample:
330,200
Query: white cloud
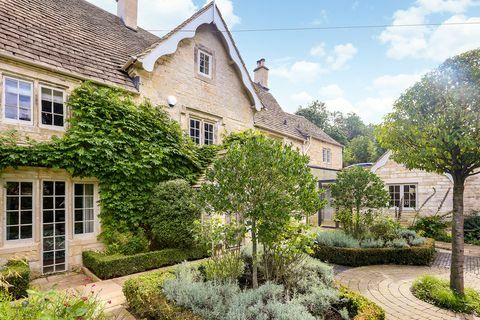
301,98
342,53
394,85
300,71
330,91
340,104
226,8
436,43
318,50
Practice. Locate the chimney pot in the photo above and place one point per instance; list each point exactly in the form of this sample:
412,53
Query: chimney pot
260,74
127,10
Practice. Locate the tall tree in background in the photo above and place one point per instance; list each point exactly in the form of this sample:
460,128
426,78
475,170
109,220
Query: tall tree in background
359,140
435,126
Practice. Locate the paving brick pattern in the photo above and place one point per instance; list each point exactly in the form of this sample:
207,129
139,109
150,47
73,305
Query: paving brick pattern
389,286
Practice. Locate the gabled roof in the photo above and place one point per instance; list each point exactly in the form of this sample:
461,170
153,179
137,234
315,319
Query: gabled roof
72,36
169,43
272,117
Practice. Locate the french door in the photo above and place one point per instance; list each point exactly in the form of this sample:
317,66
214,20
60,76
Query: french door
53,226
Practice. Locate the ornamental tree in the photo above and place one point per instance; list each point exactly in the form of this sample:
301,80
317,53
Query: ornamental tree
263,184
435,126
356,193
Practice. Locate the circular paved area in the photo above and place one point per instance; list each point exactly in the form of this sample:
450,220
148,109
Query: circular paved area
389,287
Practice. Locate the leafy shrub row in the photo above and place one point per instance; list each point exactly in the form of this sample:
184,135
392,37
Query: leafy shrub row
437,291
360,308
419,255
116,265
14,278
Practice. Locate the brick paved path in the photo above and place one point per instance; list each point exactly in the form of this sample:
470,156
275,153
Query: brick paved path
389,286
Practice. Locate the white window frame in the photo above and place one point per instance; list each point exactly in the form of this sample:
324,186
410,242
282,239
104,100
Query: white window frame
95,228
46,126
402,193
202,130
210,61
4,210
4,100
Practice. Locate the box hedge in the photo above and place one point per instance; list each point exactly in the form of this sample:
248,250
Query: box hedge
16,275
355,257
145,298
117,265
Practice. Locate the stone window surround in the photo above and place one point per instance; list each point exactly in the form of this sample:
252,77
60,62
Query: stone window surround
37,83
328,153
37,211
203,121
188,113
213,69
402,184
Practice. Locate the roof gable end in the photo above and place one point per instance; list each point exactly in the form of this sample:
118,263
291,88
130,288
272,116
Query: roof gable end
169,44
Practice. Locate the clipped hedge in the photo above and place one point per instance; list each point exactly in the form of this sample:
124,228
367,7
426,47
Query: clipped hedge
361,307
116,265
146,300
355,257
16,273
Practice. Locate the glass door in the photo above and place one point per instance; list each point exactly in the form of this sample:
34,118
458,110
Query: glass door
53,226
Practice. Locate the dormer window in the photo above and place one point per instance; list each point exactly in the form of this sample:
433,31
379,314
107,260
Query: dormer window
204,64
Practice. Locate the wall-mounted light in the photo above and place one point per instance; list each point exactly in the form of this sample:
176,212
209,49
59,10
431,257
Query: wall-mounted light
172,101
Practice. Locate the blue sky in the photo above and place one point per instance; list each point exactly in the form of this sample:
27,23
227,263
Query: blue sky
352,70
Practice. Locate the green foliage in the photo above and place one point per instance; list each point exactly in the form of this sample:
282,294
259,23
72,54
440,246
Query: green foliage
52,304
145,298
262,184
216,235
471,229
15,278
126,242
336,238
437,291
414,255
172,210
116,265
359,150
128,147
360,308
384,228
228,267
432,227
356,193
435,124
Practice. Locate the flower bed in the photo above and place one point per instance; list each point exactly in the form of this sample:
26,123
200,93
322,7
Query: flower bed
116,265
355,257
15,277
154,295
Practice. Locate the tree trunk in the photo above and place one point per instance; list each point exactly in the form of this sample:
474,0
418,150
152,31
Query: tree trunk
254,255
456,269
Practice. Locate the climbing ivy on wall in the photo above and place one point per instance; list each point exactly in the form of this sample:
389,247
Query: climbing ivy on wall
128,147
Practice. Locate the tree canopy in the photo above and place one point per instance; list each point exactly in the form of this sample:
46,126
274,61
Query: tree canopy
263,184
435,126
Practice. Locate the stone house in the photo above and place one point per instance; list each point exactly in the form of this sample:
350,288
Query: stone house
413,191
49,47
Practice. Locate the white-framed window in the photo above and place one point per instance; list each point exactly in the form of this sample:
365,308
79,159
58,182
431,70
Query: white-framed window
84,208
202,132
403,196
19,210
204,64
52,113
17,100
327,155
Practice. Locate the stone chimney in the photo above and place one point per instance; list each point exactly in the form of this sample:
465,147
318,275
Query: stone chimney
260,74
127,11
